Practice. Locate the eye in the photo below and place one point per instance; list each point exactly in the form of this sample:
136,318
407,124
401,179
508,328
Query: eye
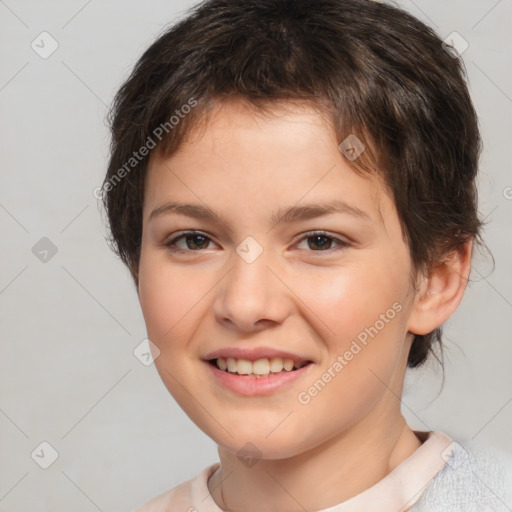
193,241
322,240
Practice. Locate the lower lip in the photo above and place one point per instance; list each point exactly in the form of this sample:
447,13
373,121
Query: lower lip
252,386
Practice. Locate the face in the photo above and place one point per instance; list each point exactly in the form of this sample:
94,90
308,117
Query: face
259,267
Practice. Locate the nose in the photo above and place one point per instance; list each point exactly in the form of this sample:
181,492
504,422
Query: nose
252,295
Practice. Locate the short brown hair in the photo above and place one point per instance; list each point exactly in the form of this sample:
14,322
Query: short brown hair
376,70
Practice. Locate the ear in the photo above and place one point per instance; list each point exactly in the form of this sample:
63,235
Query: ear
441,291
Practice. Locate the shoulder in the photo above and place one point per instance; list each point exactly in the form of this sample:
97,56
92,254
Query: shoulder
182,497
475,478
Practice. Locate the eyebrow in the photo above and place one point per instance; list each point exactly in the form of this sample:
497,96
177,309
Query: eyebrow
285,216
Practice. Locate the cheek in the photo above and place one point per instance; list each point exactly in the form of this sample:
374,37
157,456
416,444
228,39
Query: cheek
165,296
348,301
169,300
360,316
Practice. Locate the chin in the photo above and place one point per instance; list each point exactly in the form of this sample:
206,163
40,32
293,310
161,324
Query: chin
257,447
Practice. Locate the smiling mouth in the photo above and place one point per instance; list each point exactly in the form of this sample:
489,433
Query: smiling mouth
261,368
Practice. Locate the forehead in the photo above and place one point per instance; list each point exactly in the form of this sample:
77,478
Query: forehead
286,154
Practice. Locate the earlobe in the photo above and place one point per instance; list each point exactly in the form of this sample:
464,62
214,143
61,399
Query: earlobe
441,292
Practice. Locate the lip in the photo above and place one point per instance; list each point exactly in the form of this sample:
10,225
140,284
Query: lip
256,386
253,354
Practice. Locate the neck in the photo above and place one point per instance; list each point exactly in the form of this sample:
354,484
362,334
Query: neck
319,478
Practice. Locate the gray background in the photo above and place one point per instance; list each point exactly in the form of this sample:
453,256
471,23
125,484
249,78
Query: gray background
68,326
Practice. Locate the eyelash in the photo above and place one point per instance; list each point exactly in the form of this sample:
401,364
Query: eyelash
169,244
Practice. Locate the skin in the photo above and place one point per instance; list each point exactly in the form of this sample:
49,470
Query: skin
296,296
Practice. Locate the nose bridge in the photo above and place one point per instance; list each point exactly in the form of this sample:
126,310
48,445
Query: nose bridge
250,274
249,293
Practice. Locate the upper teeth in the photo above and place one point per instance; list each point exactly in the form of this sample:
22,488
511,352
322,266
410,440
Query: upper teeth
259,367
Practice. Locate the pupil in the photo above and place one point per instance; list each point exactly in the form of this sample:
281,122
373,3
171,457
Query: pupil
194,238
321,237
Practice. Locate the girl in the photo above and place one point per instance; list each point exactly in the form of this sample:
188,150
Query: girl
292,186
